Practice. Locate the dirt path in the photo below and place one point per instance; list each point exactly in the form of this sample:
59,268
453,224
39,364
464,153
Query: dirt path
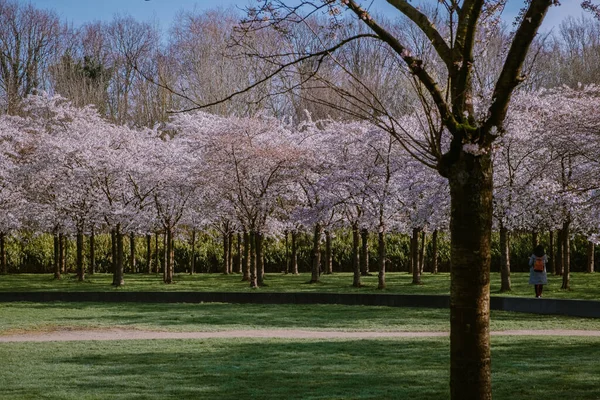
126,334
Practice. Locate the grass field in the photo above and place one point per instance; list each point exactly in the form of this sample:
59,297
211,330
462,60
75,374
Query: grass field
583,286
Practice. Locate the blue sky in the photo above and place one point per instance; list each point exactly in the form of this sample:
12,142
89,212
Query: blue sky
164,11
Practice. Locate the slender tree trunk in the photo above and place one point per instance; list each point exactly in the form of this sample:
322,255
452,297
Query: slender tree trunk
156,254
381,254
471,188
3,263
566,255
225,253
328,253
61,252
560,245
356,256
534,239
113,254
165,260
79,256
193,253
364,252
238,260
246,258
422,253
92,252
169,253
260,259
149,253
316,254
253,270
56,256
294,256
551,261
287,253
414,255
434,251
505,285
118,278
230,251
590,257
132,262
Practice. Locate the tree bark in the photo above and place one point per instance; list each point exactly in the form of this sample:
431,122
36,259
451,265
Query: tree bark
534,239
294,255
113,254
149,253
56,257
590,257
118,275
156,254
165,260
355,256
287,253
381,254
193,253
260,258
316,254
414,257
434,251
364,252
170,256
79,257
560,245
225,253
566,255
551,261
253,269
328,254
246,258
61,252
505,285
471,188
422,253
238,260
132,263
230,253
92,252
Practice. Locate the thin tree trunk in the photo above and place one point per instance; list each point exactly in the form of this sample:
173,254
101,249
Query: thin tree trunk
253,270
414,255
381,254
238,261
551,261
560,245
79,257
316,254
61,252
132,263
294,256
149,253
118,278
590,257
56,257
422,253
328,253
471,188
165,260
534,239
193,253
169,253
566,255
355,256
364,252
505,285
287,253
92,252
225,253
434,251
156,254
230,253
260,258
246,258
113,254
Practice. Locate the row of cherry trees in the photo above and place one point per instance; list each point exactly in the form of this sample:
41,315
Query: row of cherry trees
68,171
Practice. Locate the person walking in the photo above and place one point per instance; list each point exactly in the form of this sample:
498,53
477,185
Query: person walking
537,270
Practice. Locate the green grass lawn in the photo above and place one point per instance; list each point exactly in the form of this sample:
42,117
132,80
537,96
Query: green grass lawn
416,369
583,286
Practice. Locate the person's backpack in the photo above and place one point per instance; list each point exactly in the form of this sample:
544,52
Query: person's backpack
538,264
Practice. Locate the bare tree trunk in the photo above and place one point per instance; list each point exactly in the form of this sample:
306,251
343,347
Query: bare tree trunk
590,257
253,270
364,252
225,253
505,285
260,258
551,261
170,255
381,254
246,259
156,254
328,253
422,253
92,252
355,256
230,252
287,253
113,253
118,278
434,255
294,256
149,253
534,239
61,252
56,257
132,263
566,255
414,256
165,261
238,260
316,254
79,256
560,245
193,253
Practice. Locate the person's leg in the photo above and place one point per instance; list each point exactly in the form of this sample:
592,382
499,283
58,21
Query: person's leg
541,290
537,290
